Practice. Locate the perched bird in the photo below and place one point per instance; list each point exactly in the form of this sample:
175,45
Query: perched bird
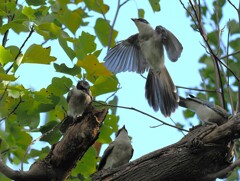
206,112
144,51
119,152
78,98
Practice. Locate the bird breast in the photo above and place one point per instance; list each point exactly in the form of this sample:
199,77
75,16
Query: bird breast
152,50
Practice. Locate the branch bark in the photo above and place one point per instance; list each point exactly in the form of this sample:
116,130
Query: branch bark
203,151
64,154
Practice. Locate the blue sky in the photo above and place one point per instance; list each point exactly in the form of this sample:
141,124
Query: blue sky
184,72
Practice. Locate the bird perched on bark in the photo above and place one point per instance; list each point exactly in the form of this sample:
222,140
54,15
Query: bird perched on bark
78,98
118,153
206,112
144,51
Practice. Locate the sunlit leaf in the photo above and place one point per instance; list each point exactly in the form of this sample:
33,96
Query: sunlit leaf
104,84
103,30
29,12
5,76
92,66
155,4
38,54
5,56
141,13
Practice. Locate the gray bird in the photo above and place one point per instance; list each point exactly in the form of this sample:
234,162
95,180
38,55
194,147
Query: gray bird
118,153
206,112
144,51
78,98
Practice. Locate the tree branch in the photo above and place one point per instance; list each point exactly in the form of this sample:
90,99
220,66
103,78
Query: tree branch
137,110
190,159
20,49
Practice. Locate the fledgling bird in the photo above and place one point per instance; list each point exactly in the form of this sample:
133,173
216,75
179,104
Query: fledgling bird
118,153
78,98
144,51
206,112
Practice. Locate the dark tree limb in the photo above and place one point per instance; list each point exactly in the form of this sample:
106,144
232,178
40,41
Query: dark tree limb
203,151
64,155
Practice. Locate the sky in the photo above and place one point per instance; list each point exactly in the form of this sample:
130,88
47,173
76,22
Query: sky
184,73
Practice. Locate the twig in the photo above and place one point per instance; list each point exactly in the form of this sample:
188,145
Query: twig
33,141
137,110
4,92
114,21
14,109
195,89
222,172
20,49
227,75
231,54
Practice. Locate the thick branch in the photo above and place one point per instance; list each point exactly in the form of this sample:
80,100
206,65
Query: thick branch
198,154
64,154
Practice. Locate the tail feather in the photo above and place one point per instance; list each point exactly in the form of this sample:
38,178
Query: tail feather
161,92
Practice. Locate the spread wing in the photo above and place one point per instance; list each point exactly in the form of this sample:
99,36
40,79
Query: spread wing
126,56
171,43
105,156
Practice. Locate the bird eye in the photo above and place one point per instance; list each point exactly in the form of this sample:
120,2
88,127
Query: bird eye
143,20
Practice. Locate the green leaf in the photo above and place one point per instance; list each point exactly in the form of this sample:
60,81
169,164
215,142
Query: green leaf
7,77
69,51
104,84
103,30
51,136
108,128
59,86
29,12
155,4
93,67
66,70
48,30
233,26
38,54
141,13
87,165
36,2
97,6
84,44
5,56
114,101
71,19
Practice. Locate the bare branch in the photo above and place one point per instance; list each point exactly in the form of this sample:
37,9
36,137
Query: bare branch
195,89
119,5
137,110
230,54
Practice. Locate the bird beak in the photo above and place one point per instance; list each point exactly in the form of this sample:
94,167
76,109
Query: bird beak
133,19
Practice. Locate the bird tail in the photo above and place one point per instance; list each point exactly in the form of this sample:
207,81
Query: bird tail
161,92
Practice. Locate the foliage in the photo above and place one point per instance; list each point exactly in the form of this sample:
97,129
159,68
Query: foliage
64,23
220,37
